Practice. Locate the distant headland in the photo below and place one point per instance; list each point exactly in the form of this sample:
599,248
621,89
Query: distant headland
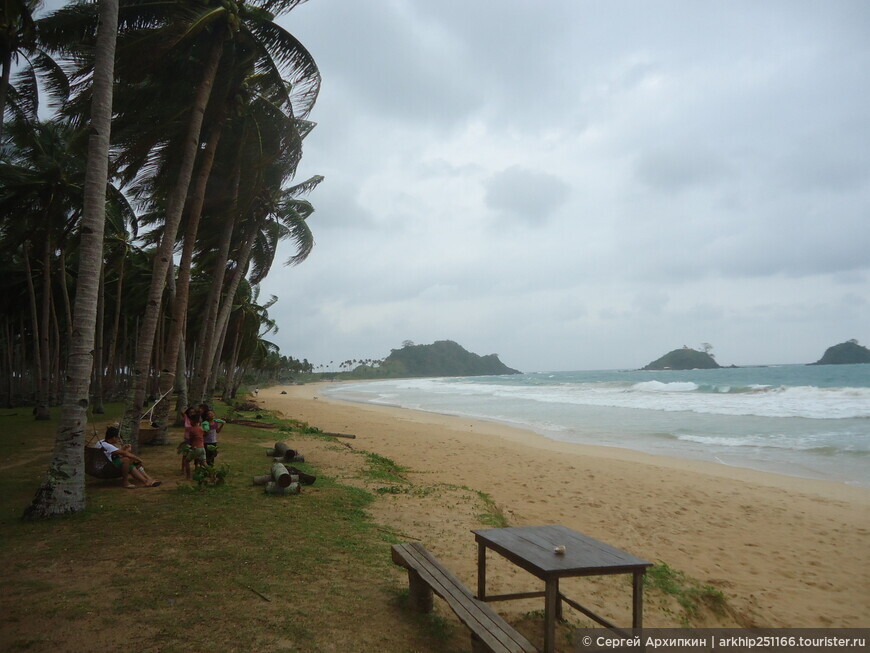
846,353
441,358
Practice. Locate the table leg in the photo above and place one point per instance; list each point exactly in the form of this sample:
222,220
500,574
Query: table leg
481,571
637,600
550,606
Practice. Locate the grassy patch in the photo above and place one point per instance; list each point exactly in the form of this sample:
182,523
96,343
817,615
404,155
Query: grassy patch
382,469
492,514
190,563
688,592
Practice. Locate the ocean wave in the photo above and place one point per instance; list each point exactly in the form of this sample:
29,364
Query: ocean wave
760,400
817,445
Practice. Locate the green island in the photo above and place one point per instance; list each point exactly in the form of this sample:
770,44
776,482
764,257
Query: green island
441,358
846,353
684,359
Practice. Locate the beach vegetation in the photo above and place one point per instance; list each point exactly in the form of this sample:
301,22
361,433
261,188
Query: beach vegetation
689,593
492,515
381,468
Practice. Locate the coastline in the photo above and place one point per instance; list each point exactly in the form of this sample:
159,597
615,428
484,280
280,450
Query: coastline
778,546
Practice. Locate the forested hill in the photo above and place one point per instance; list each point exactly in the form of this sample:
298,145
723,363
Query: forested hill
684,359
846,353
441,358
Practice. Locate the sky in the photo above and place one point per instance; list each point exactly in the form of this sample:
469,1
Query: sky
579,185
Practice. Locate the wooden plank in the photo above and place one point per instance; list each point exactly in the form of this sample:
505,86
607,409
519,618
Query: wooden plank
449,588
496,633
531,548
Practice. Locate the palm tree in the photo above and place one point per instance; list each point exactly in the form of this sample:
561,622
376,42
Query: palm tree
16,35
41,183
63,490
208,27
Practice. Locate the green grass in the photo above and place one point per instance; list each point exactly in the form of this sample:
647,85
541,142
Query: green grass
688,592
192,563
380,468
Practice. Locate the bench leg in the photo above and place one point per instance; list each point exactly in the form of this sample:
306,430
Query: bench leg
419,593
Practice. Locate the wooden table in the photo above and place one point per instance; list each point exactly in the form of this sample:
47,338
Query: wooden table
533,548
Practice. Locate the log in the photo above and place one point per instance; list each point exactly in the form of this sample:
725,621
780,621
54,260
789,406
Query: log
262,480
280,475
280,449
252,424
340,435
274,488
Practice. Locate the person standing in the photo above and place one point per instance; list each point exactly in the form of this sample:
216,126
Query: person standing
212,426
197,441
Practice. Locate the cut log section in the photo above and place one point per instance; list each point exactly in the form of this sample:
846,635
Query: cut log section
280,475
274,488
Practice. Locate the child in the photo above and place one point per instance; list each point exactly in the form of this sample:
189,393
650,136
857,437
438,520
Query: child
212,426
184,447
197,443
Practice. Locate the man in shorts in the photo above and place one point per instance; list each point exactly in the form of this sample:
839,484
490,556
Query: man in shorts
125,460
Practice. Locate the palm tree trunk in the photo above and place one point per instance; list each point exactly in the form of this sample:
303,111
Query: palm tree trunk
64,289
63,489
4,84
212,305
112,358
174,207
98,365
44,386
182,286
227,305
41,409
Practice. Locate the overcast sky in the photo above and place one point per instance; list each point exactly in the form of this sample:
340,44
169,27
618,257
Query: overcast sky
584,185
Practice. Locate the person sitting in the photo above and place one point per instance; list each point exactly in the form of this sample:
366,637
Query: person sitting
123,458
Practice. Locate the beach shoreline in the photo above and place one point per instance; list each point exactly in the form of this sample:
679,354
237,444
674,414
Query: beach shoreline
778,546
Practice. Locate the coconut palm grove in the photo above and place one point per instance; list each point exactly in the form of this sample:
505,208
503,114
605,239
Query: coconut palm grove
148,157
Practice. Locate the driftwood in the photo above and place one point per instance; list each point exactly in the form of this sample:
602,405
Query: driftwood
252,423
340,435
274,488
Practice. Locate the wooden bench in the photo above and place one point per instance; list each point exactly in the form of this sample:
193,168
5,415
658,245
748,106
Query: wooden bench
489,632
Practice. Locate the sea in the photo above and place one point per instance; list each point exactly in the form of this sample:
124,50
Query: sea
808,421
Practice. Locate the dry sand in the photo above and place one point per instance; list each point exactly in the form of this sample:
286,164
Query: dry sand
786,552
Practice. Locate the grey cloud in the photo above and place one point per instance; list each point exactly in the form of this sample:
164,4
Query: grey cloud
529,195
679,169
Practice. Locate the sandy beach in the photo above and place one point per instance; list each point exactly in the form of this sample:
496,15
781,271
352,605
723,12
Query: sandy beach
786,552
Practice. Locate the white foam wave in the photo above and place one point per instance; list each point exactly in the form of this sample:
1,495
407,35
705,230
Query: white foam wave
807,402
